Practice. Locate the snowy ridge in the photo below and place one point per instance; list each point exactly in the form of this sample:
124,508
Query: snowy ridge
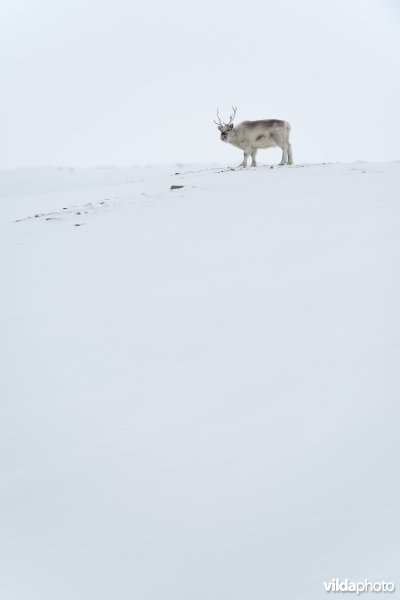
200,385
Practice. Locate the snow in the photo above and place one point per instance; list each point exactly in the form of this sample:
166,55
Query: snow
201,385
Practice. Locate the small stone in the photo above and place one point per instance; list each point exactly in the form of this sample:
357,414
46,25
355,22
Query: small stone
176,187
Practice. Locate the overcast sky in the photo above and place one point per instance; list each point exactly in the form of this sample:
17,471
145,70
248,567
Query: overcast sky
117,82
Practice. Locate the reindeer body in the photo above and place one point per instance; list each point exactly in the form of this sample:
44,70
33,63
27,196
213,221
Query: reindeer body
250,136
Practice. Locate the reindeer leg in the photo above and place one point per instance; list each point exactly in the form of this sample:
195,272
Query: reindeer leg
253,157
245,157
284,156
290,155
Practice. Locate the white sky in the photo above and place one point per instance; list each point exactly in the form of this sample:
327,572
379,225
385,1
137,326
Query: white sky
117,82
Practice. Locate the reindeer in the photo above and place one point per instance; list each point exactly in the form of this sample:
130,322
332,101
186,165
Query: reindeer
249,136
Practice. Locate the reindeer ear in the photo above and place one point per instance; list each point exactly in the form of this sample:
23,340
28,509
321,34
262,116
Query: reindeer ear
231,126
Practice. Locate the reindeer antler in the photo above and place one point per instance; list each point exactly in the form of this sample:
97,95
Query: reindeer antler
219,119
234,108
231,117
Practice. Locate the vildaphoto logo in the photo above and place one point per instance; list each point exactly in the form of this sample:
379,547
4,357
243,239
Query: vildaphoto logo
358,587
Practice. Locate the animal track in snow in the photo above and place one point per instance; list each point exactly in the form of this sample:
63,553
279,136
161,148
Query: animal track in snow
69,211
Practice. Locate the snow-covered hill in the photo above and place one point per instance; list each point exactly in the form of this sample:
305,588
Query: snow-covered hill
200,385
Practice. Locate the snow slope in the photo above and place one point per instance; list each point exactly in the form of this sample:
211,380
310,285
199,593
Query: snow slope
200,387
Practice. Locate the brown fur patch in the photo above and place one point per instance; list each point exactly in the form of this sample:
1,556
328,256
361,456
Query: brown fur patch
260,137
267,122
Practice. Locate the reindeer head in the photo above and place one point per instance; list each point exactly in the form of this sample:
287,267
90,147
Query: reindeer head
225,128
